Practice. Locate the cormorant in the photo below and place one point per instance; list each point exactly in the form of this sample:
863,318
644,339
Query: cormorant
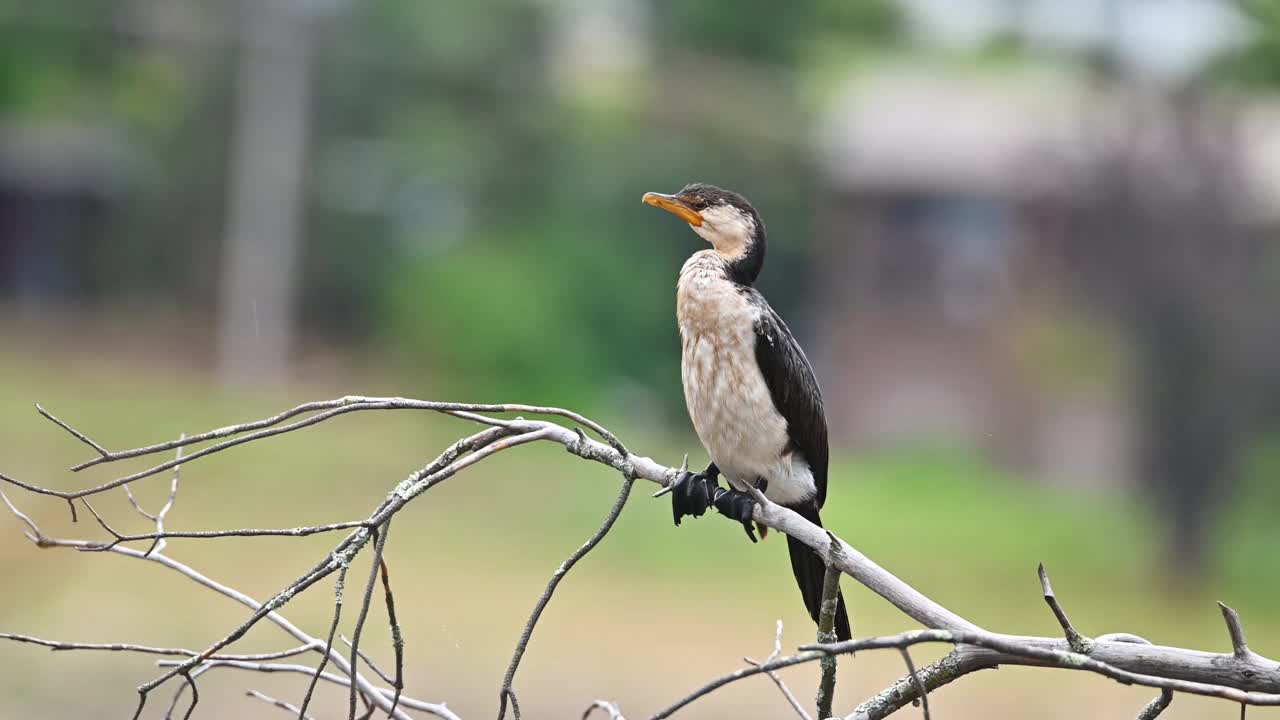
751,393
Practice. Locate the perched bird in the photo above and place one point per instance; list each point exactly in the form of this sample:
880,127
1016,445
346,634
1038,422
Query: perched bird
751,393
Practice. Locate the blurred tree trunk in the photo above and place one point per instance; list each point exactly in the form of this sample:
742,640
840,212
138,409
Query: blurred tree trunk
1166,249
1191,407
260,263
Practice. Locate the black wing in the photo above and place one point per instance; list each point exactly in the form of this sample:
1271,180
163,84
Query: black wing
794,390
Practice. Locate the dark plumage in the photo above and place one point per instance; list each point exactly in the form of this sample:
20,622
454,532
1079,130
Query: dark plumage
796,395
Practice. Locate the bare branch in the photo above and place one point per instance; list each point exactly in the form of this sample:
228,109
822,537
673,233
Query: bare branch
1239,647
74,433
333,408
340,557
1075,640
379,544
1006,645
782,686
684,467
57,645
1017,647
911,670
33,532
906,689
1242,676
1123,638
211,534
383,695
182,690
136,506
627,481
160,542
1157,706
608,707
397,637
515,702
826,631
339,588
382,674
195,697
278,703
42,540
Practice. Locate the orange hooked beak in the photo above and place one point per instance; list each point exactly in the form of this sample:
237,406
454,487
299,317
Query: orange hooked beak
673,204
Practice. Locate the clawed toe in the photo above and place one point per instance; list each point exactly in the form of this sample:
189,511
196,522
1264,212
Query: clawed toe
692,494
738,506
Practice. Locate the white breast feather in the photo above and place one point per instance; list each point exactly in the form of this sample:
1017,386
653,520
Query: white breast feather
728,399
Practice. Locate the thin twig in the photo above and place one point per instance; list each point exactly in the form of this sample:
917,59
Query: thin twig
136,506
384,694
195,697
606,706
339,589
410,488
826,631
75,433
1239,647
383,675
397,637
627,481
182,690
337,406
684,467
777,680
911,670
291,709
1078,642
1156,706
44,541
211,534
509,694
379,544
57,645
160,542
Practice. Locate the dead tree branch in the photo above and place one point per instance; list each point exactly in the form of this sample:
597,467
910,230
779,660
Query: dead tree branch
1242,676
507,691
827,633
782,686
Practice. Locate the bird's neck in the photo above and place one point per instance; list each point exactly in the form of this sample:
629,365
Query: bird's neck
744,264
738,263
707,298
706,269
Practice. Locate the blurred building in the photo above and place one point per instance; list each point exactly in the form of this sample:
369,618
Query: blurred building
945,225
56,185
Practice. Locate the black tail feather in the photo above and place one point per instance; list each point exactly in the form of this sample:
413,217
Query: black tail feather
810,570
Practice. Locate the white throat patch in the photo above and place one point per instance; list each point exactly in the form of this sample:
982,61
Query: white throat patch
728,229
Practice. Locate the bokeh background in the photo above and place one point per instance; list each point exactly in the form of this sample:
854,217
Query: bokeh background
1030,246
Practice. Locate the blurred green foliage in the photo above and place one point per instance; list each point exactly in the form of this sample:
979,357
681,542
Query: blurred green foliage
471,208
558,284
1258,62
756,30
471,202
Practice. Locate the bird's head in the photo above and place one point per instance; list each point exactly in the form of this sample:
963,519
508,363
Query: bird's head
723,218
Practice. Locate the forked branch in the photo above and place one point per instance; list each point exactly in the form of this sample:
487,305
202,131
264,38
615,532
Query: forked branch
1242,676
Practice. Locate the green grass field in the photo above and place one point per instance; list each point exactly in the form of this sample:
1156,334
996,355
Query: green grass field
652,613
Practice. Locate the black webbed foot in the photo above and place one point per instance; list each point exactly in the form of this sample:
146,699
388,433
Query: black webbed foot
739,506
693,493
